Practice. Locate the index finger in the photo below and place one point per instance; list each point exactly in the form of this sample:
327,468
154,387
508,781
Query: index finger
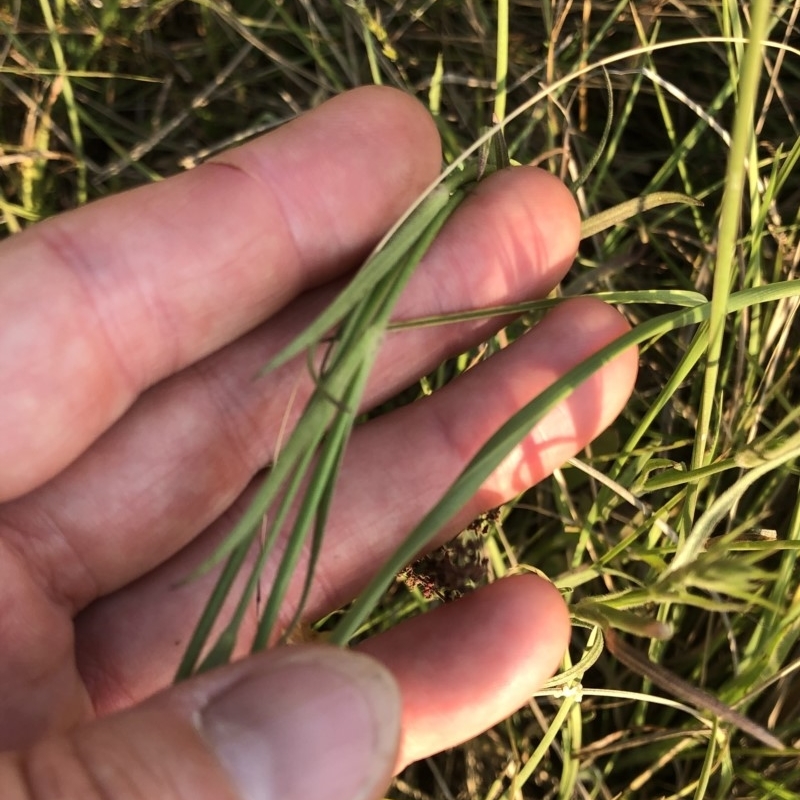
100,303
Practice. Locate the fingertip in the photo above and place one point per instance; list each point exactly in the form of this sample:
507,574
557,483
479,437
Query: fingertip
515,236
392,139
551,616
467,665
539,627
342,174
596,324
560,216
398,118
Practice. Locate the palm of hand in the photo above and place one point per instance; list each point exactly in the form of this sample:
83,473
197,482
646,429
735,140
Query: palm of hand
133,428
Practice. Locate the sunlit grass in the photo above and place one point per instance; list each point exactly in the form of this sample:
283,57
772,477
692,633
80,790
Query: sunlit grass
692,525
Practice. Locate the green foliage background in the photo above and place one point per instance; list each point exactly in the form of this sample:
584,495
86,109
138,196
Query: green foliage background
97,97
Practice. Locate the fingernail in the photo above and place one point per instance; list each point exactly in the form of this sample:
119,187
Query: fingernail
311,723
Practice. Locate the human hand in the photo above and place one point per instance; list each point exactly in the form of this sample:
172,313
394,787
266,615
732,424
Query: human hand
132,430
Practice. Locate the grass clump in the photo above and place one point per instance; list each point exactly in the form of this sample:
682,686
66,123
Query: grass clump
680,524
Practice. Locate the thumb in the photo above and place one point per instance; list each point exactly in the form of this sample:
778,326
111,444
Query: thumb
293,723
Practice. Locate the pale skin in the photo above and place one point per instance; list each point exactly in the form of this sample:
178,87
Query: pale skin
132,428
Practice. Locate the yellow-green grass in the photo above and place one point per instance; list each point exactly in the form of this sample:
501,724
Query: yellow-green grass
681,520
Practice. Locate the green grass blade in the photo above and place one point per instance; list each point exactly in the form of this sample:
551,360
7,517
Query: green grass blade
214,605
314,508
414,236
599,149
501,61
624,211
222,650
740,151
705,526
